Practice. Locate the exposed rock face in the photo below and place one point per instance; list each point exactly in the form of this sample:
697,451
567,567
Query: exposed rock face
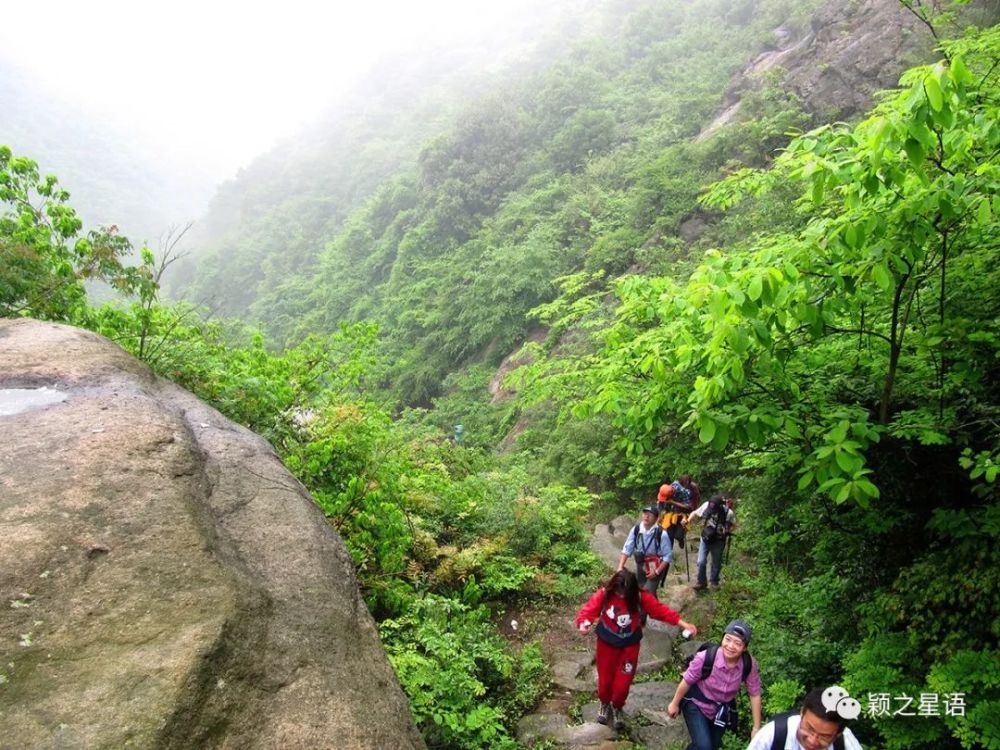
165,581
856,47
853,49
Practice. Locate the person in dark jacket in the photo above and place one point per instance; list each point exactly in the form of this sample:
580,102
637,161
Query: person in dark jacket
615,614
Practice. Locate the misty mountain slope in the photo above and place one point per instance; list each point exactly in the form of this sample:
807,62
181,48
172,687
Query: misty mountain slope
587,158
314,180
112,179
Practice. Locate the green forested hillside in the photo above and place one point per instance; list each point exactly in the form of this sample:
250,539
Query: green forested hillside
804,313
564,164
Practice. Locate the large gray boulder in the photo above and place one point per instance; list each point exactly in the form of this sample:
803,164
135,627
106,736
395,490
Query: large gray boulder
165,581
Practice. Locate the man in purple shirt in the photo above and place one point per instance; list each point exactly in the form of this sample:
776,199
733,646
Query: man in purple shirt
704,693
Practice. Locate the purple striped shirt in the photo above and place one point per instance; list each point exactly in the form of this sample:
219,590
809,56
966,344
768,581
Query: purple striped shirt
724,682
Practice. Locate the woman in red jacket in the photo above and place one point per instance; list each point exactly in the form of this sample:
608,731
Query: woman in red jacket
616,612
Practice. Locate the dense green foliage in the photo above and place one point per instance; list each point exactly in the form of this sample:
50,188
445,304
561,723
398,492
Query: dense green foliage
819,332
848,356
577,163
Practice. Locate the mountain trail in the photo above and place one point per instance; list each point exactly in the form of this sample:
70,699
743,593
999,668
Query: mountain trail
566,717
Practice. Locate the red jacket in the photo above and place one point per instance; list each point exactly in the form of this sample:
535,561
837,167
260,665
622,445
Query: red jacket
615,624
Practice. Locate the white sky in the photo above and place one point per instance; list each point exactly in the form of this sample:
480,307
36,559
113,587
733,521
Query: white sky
219,82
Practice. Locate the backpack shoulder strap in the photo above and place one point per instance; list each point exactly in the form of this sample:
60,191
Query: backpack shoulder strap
781,730
706,668
839,744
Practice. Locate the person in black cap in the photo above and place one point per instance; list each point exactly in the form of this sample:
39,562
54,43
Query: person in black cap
652,549
707,692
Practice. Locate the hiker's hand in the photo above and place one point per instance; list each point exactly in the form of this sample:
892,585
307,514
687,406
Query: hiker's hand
688,626
585,627
673,710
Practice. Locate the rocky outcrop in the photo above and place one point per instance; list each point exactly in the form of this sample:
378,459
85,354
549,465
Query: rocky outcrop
165,581
852,49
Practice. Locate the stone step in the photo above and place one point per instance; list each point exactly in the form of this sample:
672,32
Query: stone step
536,728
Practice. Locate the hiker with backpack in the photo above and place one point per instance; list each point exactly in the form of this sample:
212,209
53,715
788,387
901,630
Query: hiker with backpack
707,692
679,497
616,613
674,507
812,727
719,522
652,549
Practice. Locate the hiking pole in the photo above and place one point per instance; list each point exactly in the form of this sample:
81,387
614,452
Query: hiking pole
729,546
687,563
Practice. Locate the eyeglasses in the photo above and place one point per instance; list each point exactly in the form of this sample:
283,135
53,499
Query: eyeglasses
808,731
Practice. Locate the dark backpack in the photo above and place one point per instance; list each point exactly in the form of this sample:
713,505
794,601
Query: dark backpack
711,649
716,522
681,495
781,732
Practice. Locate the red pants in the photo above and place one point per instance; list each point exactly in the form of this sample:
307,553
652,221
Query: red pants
615,672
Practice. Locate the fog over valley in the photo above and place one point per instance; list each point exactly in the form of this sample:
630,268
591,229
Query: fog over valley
142,110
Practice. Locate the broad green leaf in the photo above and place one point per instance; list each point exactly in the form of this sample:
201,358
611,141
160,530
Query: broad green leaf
984,214
959,73
851,236
882,276
844,493
845,461
707,432
721,439
866,487
817,190
805,480
934,95
792,429
914,152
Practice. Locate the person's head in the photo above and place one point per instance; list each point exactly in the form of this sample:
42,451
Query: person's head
685,480
626,585
649,515
818,728
735,639
664,494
